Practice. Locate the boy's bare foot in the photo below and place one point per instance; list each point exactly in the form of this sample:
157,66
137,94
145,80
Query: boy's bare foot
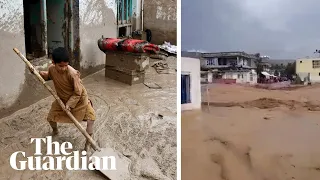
54,127
55,132
87,145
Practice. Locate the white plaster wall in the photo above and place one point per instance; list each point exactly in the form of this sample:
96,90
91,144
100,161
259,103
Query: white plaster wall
192,66
12,69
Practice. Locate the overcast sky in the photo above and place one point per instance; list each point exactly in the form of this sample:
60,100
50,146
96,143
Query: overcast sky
277,28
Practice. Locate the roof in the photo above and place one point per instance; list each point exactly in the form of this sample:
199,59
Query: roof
229,54
191,54
306,59
279,61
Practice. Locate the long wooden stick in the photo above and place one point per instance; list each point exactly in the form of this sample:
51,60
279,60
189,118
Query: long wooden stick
75,121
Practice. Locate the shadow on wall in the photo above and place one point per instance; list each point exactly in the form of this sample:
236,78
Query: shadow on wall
97,18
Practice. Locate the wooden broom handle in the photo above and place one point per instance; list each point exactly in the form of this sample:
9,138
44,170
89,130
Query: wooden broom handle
78,125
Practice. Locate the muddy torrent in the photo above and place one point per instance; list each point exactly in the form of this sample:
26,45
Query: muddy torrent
268,103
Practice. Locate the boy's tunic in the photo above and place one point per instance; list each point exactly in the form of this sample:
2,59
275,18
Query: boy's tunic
70,90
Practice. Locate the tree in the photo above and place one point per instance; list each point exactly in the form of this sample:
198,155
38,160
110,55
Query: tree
258,62
290,70
276,72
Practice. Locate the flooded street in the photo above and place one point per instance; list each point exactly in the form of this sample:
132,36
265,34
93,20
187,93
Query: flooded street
137,121
250,133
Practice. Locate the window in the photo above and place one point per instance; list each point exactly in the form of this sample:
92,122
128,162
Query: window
222,61
124,16
242,76
185,89
300,61
251,76
46,25
316,64
238,76
210,62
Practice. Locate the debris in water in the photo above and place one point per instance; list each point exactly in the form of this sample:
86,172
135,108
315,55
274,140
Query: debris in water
152,85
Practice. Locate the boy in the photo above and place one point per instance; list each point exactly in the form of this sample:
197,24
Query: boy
70,90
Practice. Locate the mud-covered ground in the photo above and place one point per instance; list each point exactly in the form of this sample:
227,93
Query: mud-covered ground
254,134
136,121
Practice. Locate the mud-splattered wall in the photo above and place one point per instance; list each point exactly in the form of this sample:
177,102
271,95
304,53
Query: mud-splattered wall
160,16
12,69
97,18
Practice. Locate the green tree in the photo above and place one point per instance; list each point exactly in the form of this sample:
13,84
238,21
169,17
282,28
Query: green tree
258,63
290,70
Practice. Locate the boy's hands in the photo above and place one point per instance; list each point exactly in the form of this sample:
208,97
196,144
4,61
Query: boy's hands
44,75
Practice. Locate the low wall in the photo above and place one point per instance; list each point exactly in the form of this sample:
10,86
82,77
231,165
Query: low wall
224,81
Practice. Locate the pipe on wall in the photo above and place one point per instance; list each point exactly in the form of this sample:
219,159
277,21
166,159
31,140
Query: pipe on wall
142,2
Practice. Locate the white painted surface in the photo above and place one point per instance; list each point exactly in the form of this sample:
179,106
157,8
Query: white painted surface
192,66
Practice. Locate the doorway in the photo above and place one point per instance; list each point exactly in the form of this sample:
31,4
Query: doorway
185,89
48,25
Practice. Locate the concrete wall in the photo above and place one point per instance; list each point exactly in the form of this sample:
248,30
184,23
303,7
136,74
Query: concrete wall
192,66
241,77
160,16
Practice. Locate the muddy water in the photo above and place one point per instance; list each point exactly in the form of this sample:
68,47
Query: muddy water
249,133
238,143
137,121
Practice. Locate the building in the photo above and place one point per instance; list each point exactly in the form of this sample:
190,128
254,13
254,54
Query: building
36,27
206,76
190,81
237,67
308,69
266,66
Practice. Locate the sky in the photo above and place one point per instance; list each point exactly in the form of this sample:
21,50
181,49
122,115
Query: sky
281,29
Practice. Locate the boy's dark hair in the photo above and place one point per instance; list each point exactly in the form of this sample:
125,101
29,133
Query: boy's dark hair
60,54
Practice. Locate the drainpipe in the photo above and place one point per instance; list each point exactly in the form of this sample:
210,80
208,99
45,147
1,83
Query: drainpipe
142,2
43,11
